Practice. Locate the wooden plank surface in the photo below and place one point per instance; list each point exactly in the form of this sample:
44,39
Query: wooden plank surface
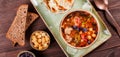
8,10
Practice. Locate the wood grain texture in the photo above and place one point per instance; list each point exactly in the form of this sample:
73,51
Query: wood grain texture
8,10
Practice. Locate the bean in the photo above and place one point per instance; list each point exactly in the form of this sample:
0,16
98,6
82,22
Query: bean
39,36
43,34
89,37
36,45
45,45
36,34
39,40
40,48
94,35
34,38
47,39
90,29
43,41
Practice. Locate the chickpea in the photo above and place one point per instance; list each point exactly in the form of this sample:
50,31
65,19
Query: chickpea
43,41
39,36
93,31
88,32
82,40
36,44
89,37
36,34
40,48
62,26
83,25
90,29
46,39
80,32
73,44
94,35
65,23
43,34
39,40
34,39
45,45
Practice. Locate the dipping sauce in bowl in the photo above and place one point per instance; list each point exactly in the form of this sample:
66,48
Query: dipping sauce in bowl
79,29
26,54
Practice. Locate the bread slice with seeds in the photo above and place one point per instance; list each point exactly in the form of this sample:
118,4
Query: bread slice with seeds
16,32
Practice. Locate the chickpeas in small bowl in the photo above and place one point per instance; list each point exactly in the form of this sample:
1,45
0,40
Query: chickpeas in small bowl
40,40
79,29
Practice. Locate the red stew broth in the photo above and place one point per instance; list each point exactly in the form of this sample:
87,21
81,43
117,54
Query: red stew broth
79,29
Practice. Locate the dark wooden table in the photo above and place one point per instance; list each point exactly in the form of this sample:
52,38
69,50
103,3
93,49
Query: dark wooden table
110,48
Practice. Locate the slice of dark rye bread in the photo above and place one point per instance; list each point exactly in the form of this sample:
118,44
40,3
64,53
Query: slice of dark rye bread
22,21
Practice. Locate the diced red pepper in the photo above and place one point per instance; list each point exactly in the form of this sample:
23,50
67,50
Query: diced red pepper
93,20
83,42
72,33
83,35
